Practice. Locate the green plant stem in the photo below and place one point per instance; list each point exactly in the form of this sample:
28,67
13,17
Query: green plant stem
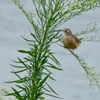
50,15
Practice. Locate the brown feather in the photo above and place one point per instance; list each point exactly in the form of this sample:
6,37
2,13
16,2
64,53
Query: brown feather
69,40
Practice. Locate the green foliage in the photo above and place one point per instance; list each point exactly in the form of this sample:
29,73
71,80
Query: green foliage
89,33
33,70
90,74
3,93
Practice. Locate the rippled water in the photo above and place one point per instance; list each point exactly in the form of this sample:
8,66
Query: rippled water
69,82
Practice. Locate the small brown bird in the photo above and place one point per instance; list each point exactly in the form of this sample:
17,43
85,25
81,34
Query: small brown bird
69,40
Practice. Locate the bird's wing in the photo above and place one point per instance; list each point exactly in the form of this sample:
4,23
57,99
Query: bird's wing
76,39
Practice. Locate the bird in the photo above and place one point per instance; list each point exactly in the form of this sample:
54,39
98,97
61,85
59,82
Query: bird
69,40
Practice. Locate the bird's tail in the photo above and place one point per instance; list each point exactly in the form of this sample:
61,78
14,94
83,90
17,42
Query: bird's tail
81,39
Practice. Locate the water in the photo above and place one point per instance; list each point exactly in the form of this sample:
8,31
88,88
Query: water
69,82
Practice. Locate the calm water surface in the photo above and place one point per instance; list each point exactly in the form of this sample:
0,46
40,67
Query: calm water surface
69,82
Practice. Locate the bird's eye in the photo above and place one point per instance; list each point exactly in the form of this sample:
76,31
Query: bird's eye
66,31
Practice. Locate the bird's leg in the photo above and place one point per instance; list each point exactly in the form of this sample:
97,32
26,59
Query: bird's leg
61,45
72,52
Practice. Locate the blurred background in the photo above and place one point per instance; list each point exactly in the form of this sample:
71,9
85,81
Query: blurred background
70,84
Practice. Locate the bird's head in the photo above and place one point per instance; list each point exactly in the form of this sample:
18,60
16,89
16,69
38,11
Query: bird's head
67,31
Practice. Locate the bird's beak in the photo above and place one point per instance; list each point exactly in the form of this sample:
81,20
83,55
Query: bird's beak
61,30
